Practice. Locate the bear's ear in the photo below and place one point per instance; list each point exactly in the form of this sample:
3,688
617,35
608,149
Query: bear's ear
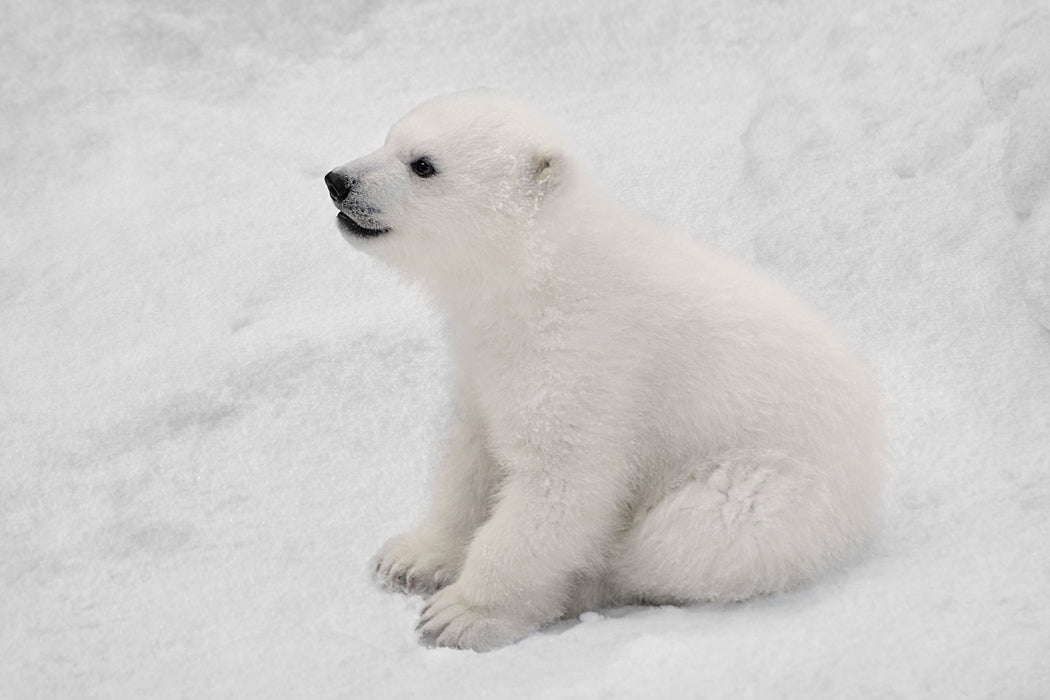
546,172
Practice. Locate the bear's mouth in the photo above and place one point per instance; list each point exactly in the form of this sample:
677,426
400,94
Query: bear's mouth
348,225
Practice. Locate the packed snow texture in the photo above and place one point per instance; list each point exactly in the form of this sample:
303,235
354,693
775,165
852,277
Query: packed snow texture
213,411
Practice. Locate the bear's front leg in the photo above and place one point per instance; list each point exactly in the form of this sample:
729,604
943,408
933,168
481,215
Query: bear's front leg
430,556
546,529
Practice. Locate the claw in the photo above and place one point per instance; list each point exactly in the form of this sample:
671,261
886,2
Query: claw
429,635
430,638
426,609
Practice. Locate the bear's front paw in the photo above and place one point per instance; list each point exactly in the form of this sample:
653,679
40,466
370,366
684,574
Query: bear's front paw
448,620
416,563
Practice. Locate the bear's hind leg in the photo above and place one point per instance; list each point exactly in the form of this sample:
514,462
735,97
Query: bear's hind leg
752,522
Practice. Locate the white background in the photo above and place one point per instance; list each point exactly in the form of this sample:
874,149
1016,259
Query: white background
213,411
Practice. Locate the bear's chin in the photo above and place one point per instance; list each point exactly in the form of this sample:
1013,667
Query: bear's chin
351,228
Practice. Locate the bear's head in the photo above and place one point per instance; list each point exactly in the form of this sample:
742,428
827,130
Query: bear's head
456,188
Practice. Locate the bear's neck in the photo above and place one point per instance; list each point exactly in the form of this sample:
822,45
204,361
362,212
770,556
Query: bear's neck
542,272
533,306
540,266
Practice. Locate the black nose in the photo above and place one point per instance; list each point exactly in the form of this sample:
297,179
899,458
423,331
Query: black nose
339,185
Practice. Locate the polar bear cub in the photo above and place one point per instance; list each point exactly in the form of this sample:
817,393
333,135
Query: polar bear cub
639,420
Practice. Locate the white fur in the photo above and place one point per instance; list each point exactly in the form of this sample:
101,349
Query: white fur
639,419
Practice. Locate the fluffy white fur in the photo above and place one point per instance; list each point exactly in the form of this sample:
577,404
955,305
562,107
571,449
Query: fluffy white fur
639,419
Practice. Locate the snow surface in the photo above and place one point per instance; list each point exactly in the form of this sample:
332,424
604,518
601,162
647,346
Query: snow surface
213,411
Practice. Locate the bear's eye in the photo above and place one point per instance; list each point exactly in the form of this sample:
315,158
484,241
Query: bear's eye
423,167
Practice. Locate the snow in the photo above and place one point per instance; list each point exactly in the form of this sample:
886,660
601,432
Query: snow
213,411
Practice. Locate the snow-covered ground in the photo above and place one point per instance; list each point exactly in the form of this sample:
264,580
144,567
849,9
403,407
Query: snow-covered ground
213,411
